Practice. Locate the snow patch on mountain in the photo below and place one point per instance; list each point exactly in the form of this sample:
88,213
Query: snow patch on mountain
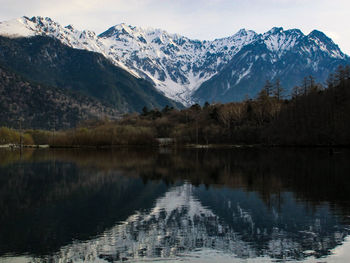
20,27
280,41
245,73
176,65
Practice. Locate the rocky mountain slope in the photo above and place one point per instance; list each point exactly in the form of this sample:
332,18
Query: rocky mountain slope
285,55
195,71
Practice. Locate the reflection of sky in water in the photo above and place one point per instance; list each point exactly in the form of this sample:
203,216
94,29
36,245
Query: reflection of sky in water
156,222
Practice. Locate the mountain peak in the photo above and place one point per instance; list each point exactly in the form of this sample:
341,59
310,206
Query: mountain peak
318,34
242,31
325,44
294,31
117,30
122,26
279,40
176,64
275,30
70,27
41,19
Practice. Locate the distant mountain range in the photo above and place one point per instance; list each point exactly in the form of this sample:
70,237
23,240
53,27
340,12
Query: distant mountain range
126,68
190,71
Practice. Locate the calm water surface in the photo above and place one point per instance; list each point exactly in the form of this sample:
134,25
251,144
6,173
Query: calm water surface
143,205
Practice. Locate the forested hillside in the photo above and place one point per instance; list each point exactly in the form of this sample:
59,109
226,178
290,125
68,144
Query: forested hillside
47,61
40,106
315,115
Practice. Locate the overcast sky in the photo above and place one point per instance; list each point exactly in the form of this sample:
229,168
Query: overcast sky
200,19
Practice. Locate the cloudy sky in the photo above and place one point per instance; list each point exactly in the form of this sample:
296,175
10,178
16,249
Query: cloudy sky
200,19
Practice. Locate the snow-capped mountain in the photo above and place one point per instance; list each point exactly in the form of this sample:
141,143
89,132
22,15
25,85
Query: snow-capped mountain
191,70
176,64
287,55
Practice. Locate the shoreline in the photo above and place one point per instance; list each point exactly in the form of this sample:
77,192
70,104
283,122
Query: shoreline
185,146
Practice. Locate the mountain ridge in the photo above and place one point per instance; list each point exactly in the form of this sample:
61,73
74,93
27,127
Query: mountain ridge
54,83
180,67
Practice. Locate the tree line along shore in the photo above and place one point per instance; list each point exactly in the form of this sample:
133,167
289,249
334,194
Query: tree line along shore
313,114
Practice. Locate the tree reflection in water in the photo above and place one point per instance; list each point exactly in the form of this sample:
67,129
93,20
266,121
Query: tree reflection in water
133,204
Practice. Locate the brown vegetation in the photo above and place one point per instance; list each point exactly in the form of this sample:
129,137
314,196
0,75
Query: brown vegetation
314,115
10,136
105,134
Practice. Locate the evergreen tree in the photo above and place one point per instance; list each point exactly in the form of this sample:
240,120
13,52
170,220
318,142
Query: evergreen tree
206,105
145,111
166,109
268,88
278,90
330,81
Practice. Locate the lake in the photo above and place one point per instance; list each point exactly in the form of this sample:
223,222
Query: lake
175,205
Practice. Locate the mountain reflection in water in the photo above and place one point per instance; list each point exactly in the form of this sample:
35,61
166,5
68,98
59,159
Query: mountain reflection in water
130,205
